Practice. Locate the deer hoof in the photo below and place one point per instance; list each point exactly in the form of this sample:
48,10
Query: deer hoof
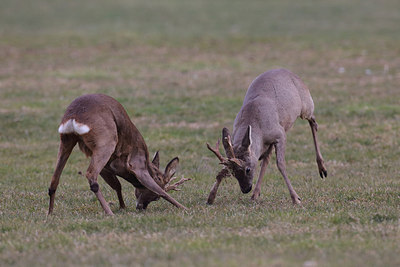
323,173
296,200
210,200
211,197
321,168
255,196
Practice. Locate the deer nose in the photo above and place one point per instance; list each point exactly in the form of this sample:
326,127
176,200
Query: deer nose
141,206
246,190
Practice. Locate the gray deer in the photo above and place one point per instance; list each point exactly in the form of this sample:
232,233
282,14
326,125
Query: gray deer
103,130
272,103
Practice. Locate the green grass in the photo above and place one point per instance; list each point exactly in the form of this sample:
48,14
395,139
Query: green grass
181,69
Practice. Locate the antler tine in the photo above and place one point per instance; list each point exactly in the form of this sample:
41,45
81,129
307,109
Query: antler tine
216,151
169,187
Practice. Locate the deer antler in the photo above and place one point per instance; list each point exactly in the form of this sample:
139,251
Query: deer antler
216,152
230,161
169,186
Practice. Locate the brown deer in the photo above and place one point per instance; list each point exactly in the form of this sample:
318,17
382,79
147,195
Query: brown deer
272,103
104,132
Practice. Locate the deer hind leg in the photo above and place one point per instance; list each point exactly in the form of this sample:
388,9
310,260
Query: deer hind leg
66,145
113,181
220,176
264,164
99,159
320,160
280,161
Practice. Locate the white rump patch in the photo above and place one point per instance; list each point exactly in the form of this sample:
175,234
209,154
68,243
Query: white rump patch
66,128
80,128
72,126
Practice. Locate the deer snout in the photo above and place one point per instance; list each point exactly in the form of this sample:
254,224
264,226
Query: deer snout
246,190
141,206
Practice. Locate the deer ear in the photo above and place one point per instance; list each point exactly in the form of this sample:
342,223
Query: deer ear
226,141
171,169
156,160
246,142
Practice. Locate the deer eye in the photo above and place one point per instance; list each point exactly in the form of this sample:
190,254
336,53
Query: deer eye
248,170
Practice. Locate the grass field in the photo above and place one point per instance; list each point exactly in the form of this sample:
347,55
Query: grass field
181,69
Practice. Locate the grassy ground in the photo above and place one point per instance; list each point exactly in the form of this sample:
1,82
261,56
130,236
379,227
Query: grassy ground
181,69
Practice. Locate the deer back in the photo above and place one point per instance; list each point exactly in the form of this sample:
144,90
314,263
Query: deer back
276,97
103,119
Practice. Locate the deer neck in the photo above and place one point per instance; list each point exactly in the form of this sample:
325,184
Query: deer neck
138,157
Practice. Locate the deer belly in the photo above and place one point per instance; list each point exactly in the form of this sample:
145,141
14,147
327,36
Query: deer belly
118,167
132,179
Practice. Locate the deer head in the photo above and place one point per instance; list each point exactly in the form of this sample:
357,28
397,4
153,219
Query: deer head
145,196
239,161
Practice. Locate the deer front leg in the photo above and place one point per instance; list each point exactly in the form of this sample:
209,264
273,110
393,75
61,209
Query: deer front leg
113,181
320,160
280,161
264,164
220,176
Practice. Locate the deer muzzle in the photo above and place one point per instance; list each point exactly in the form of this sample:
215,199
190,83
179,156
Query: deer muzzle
246,189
